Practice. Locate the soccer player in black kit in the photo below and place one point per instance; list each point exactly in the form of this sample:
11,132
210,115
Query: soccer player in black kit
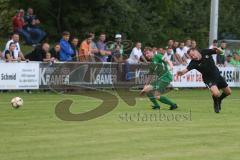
204,63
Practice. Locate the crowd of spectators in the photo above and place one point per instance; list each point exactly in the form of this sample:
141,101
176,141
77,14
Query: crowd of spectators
69,48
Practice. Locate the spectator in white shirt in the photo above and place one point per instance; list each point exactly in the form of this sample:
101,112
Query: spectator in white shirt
134,58
17,51
179,57
168,55
136,55
187,45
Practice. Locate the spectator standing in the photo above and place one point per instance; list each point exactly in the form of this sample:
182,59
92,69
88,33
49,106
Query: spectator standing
161,51
194,44
175,46
179,56
135,57
102,47
66,49
74,45
187,45
168,55
85,51
94,48
170,45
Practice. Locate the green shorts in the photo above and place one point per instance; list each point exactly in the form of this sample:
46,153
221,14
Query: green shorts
162,82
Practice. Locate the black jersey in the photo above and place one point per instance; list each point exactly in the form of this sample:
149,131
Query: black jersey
206,66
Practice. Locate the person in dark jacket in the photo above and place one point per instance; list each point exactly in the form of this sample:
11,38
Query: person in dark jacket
39,53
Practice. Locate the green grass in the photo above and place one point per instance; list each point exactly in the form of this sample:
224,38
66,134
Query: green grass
33,132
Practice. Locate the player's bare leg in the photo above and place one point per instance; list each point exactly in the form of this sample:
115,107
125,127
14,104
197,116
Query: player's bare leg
146,89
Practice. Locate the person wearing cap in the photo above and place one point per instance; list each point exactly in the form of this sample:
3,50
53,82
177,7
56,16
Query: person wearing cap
117,49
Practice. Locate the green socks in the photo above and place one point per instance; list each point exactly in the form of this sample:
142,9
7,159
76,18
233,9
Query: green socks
165,100
152,99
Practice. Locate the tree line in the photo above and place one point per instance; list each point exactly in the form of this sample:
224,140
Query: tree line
151,22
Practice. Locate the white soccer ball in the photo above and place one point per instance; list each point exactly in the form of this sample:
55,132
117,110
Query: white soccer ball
16,102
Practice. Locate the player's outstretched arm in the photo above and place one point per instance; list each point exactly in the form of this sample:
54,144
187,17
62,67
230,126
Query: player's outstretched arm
218,50
180,73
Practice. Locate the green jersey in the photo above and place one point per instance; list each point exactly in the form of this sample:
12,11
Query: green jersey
158,66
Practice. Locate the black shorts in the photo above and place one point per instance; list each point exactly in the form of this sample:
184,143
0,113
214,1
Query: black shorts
219,82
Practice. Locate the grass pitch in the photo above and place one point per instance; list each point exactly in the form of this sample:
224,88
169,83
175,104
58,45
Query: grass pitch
33,132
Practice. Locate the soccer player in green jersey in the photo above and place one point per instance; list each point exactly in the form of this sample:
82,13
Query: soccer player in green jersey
160,68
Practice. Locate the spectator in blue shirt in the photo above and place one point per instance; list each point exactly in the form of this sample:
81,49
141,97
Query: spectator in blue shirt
66,49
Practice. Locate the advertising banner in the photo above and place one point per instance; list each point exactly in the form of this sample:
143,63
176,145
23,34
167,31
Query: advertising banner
19,76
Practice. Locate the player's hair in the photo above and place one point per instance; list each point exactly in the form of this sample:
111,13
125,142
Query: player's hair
191,49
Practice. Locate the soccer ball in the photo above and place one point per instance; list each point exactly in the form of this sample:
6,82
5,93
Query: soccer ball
16,102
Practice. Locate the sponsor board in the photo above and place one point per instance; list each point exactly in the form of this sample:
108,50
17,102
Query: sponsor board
19,76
